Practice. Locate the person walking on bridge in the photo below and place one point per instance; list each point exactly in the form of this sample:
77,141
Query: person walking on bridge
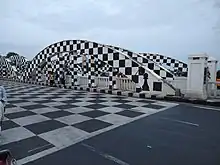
3,100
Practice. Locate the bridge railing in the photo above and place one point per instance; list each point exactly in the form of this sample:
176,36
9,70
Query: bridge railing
102,82
125,84
68,80
82,80
179,83
212,90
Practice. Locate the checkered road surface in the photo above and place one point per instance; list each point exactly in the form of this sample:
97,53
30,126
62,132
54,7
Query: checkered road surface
39,119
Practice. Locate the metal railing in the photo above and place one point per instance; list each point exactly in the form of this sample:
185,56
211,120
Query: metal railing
125,84
212,90
102,82
82,80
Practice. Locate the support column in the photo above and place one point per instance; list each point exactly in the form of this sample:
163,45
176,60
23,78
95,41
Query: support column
212,64
197,76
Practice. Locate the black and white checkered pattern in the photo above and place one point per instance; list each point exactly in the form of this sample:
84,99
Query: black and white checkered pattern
112,57
172,64
158,69
6,69
41,118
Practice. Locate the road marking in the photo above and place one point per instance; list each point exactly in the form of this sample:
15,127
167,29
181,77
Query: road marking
217,109
180,121
37,148
107,156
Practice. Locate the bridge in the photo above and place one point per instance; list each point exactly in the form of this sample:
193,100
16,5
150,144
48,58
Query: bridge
109,99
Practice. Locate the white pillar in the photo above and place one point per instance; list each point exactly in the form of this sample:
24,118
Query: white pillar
196,87
212,64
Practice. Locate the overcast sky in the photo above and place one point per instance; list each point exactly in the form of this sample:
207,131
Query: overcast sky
171,27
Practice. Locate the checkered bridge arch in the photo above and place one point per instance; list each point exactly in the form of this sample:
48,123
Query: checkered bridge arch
113,58
172,64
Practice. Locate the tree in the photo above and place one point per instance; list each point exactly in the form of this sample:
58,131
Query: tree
11,54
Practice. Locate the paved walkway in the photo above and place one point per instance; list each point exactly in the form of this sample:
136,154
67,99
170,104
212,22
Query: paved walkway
42,120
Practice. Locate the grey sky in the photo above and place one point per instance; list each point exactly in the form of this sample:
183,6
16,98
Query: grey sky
170,27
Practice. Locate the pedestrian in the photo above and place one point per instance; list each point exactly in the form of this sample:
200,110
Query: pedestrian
3,100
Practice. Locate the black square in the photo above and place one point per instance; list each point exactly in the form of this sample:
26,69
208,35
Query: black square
110,63
134,64
146,101
116,56
157,86
71,101
128,71
10,106
17,101
94,114
92,125
100,51
145,60
164,60
135,78
19,114
87,45
121,63
105,57
97,101
27,147
45,126
57,114
95,45
110,50
34,106
44,101
153,106
95,106
78,46
131,114
151,66
66,106
9,124
125,106
91,51
157,72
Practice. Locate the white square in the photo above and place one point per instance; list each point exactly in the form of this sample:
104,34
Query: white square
64,136
30,120
14,109
15,134
114,119
73,119
116,63
53,103
111,109
45,110
111,103
79,110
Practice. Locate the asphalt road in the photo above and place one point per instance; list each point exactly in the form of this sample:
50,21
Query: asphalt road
178,136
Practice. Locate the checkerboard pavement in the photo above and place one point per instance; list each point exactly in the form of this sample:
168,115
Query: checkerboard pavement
39,119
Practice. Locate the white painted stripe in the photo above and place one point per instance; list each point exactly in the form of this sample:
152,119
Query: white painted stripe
180,121
211,108
37,148
105,155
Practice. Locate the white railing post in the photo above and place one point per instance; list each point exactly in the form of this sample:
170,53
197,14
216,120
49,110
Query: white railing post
125,84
